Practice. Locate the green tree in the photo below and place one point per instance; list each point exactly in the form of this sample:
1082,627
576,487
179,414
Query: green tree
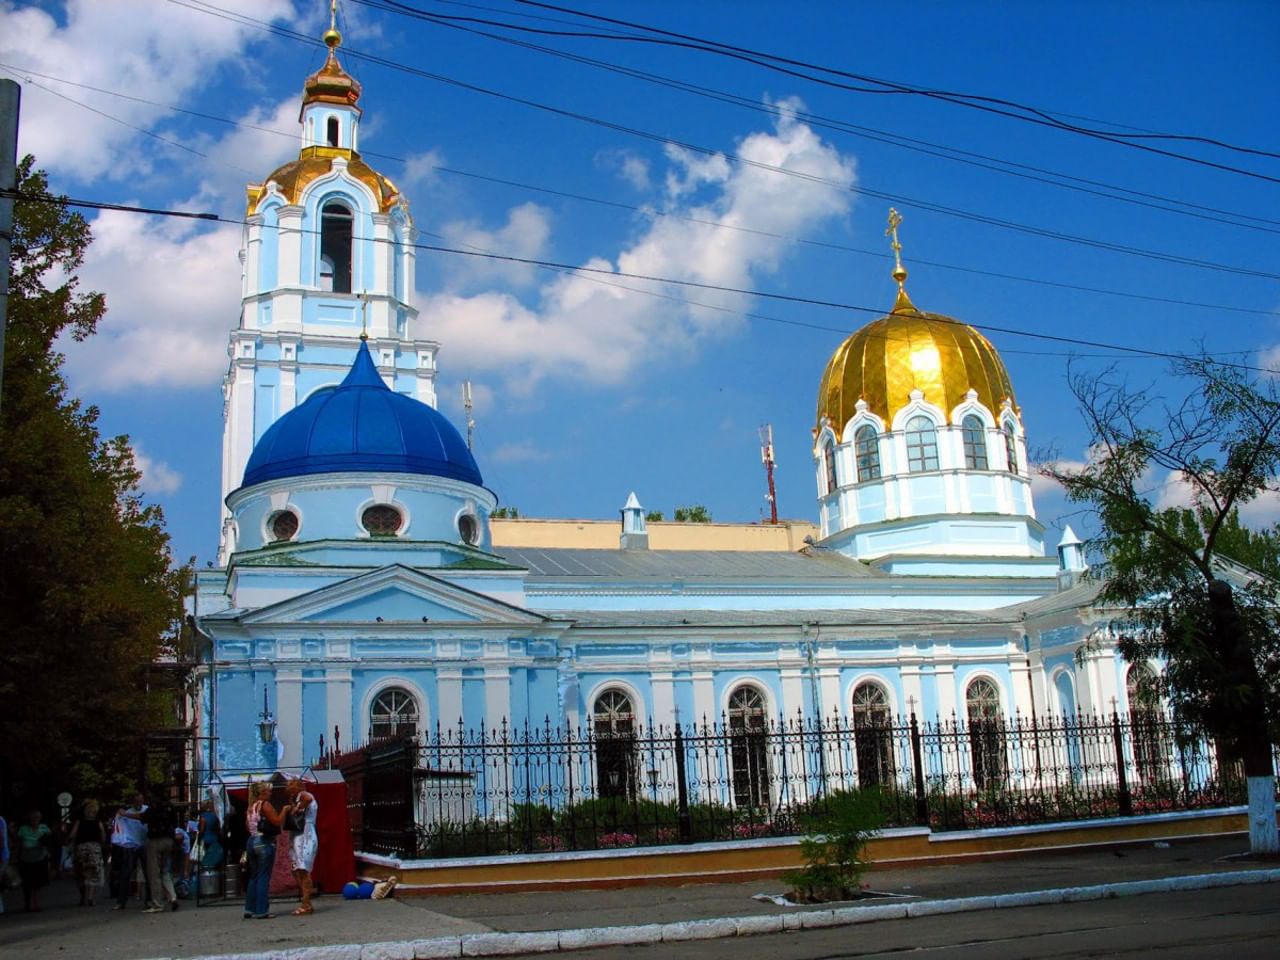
88,592
1167,569
696,513
653,516
506,513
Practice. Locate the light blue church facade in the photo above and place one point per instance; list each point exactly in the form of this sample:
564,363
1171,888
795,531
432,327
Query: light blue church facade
358,589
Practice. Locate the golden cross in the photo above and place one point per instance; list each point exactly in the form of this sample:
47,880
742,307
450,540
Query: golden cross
895,220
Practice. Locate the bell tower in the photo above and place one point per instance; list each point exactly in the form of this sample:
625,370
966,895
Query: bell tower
326,258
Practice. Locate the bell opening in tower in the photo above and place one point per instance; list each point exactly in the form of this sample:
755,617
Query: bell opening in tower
335,248
333,131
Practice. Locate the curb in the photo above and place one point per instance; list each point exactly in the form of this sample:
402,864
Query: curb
554,941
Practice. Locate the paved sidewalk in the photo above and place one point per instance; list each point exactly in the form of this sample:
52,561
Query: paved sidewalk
65,930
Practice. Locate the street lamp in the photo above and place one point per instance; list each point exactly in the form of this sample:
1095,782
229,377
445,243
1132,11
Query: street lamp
266,721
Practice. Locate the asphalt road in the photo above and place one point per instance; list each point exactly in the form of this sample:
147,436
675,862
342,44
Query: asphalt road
1241,923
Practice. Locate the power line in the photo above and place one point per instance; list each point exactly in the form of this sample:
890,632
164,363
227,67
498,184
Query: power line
600,271
1045,233
989,104
617,204
929,148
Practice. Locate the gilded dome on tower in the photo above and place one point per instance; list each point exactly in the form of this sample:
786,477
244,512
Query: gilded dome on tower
331,83
907,350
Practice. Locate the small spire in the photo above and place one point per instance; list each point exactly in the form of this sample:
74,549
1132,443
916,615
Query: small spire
364,316
331,37
903,304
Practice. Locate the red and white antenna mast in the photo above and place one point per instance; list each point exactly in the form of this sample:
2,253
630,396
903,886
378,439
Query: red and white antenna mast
766,457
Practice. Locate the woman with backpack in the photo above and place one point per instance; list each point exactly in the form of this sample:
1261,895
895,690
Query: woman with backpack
264,823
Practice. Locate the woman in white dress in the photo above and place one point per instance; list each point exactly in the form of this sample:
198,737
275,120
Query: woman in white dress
303,841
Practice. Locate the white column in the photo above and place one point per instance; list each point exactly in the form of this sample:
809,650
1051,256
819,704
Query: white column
704,698
289,267
912,690
252,255
1020,677
664,698
380,282
497,696
449,690
337,707
793,680
289,715
829,686
944,675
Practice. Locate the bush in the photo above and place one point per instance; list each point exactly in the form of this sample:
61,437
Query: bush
835,840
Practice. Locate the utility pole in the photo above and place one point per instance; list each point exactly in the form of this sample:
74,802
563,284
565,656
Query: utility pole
766,457
471,424
10,99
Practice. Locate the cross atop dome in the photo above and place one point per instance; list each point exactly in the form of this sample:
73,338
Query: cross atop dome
903,304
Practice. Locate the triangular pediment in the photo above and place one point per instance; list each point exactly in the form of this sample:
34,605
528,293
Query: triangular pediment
392,594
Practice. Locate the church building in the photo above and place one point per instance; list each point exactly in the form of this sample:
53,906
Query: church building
361,589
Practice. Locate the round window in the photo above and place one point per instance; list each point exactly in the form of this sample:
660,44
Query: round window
469,528
381,520
284,525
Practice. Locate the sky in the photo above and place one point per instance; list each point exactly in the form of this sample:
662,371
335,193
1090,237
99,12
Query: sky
587,390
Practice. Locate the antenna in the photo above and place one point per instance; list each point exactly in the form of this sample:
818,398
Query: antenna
766,457
471,423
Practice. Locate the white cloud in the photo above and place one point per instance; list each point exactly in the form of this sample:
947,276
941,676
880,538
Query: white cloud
525,234
1269,360
523,451
1264,511
127,45
158,478
630,167
420,170
173,292
265,138
585,329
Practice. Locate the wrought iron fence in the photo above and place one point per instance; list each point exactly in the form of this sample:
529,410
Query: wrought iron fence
467,792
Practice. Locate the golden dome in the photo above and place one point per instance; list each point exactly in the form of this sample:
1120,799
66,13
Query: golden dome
315,162
910,350
331,84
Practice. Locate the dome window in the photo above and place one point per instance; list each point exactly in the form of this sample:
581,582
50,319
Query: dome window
922,445
333,131
335,247
866,445
381,520
829,461
975,443
469,529
1011,447
283,526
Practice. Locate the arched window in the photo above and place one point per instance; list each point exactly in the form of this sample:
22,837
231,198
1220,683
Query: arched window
394,712
829,461
748,747
866,445
335,247
333,131
986,733
614,726
922,445
975,442
1011,447
1147,724
872,735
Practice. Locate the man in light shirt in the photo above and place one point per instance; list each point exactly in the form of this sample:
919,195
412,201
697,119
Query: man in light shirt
128,843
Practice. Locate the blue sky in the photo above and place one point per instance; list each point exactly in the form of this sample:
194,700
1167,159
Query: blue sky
587,391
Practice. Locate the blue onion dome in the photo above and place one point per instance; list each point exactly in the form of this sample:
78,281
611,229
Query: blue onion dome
361,426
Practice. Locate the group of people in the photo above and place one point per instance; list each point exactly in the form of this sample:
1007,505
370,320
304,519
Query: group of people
153,846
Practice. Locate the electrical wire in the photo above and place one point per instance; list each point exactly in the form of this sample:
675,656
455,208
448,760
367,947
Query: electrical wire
600,271
646,211
1045,233
989,104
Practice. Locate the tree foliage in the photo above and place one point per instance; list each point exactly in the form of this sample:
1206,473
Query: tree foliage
88,592
696,513
1167,569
